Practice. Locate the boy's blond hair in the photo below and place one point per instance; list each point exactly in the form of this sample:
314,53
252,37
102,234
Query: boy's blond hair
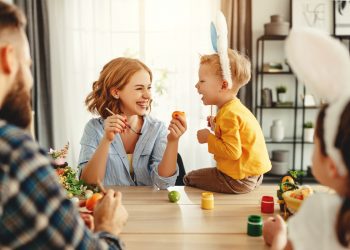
240,67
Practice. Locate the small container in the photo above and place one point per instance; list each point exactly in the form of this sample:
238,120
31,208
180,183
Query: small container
267,205
280,155
276,18
279,168
207,201
266,97
277,26
277,130
255,225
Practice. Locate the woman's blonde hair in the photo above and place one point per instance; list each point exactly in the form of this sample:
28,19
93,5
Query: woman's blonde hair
240,66
115,74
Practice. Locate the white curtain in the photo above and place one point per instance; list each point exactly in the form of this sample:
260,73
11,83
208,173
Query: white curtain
167,35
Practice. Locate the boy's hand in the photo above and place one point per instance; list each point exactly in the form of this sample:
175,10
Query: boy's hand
275,227
202,135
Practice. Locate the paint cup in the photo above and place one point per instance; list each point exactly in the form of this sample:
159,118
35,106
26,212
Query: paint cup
207,201
267,205
255,224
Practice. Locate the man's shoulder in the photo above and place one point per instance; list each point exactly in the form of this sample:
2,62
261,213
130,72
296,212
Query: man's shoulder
12,134
16,142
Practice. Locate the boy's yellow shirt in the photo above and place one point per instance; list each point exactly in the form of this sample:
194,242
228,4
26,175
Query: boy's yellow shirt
238,145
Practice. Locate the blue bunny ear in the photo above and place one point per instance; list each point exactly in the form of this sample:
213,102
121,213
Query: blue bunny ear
214,37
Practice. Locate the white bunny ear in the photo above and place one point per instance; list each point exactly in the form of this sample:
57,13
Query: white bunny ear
222,47
321,62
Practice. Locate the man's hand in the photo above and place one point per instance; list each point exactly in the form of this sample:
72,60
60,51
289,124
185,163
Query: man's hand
88,220
110,214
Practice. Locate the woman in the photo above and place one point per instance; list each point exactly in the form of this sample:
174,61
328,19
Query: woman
125,146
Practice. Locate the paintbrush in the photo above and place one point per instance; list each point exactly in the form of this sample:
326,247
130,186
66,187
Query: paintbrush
112,113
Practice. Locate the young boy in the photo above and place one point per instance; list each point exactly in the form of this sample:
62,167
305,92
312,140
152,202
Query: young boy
238,144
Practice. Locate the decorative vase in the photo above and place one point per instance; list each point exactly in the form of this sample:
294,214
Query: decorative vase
266,97
277,131
309,134
282,97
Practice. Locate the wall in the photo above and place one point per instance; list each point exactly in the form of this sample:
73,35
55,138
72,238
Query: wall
261,12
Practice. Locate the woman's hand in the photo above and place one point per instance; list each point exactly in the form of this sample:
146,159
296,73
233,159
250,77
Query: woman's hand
202,135
114,124
177,128
110,214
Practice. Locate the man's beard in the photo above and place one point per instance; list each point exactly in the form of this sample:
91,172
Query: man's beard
16,108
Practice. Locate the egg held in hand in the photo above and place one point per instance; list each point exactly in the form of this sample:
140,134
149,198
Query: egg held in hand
92,201
176,114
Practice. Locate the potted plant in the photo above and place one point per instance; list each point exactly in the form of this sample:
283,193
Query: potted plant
309,131
281,93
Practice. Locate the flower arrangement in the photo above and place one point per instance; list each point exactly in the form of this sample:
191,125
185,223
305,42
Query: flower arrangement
59,156
68,176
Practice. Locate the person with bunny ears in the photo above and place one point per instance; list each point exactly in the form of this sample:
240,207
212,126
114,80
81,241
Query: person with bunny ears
323,221
238,144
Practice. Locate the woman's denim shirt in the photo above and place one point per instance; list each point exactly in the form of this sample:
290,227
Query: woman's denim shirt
147,155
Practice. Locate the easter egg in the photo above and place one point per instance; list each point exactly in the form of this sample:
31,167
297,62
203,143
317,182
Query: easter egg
174,196
176,114
92,201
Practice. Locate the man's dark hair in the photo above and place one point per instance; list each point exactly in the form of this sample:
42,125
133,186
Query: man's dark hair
11,16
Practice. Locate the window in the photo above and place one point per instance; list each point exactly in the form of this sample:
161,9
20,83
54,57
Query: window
167,35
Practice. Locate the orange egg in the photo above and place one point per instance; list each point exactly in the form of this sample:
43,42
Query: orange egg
176,114
92,201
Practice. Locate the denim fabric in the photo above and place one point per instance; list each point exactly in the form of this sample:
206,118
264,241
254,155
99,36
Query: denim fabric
147,155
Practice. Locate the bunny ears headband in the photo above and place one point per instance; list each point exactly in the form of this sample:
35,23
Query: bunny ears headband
220,45
323,64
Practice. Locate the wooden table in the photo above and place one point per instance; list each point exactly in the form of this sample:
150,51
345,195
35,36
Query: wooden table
155,223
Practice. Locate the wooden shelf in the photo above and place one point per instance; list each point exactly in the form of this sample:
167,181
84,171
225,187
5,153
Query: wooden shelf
272,38
287,141
288,107
297,117
272,178
275,73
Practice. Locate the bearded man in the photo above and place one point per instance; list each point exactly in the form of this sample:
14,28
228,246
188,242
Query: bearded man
34,210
